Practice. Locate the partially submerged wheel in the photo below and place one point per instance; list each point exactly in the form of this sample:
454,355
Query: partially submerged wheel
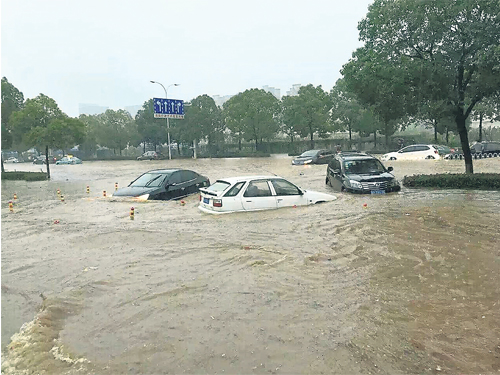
392,158
430,157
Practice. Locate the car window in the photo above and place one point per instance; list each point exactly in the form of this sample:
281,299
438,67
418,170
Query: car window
175,178
309,153
150,180
408,149
188,175
235,189
257,188
284,187
335,164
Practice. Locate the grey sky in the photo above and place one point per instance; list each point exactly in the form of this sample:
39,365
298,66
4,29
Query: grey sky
106,52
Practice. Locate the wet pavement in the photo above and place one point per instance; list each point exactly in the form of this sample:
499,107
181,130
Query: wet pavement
397,283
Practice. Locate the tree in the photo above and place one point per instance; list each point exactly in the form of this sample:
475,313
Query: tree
290,118
151,130
203,119
42,123
346,111
486,109
117,130
313,110
252,115
12,101
456,44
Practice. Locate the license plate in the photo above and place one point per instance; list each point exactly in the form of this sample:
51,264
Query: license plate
378,191
206,200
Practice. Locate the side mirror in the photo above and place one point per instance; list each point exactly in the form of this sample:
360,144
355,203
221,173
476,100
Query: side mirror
390,169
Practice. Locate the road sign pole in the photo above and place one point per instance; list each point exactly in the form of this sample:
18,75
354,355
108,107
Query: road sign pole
168,140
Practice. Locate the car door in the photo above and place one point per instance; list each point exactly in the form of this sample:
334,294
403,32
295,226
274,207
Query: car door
335,174
406,153
258,196
287,194
189,182
174,187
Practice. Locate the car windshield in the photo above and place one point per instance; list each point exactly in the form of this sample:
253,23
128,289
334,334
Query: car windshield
309,153
150,180
367,166
218,186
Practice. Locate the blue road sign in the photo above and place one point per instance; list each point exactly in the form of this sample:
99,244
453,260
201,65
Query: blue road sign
168,108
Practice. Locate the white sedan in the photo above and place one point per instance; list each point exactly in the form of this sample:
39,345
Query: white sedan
253,193
413,152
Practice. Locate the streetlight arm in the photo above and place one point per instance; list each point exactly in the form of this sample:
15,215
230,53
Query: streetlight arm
165,89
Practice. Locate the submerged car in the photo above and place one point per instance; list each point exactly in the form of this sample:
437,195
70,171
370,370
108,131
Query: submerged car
314,157
42,160
149,155
360,173
69,160
164,184
413,152
12,159
253,193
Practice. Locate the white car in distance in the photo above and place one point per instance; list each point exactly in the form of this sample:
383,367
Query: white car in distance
413,152
253,193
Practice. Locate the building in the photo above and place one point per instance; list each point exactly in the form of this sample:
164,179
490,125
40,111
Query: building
272,90
220,100
294,90
91,109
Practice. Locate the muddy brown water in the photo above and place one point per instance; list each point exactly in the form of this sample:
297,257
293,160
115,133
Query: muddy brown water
400,283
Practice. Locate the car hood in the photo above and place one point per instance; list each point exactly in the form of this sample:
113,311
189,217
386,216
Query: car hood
135,191
315,196
386,176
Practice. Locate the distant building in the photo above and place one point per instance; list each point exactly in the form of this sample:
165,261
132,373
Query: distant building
294,90
133,109
91,109
220,100
272,90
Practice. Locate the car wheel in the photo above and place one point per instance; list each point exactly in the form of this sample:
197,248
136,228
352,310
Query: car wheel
392,158
430,157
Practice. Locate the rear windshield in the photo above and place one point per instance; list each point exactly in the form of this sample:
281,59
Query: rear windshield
218,186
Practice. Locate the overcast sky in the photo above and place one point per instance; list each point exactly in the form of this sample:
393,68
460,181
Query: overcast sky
106,52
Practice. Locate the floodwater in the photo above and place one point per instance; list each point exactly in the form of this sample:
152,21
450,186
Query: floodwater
400,283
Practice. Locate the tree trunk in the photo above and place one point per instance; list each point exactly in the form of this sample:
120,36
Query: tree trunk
464,140
480,127
47,161
435,131
375,139
312,137
3,169
239,142
447,135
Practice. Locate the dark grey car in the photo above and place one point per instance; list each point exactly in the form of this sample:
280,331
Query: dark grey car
360,173
164,184
314,157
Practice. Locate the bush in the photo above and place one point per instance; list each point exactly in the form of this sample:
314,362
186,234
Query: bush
488,181
27,176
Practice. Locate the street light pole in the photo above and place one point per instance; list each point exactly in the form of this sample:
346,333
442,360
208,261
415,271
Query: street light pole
168,126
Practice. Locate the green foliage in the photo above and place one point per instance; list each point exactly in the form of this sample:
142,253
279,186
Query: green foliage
436,50
12,101
26,176
151,130
313,106
488,181
117,130
252,115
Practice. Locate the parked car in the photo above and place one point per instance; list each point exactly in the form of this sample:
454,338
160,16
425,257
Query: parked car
42,160
413,152
69,160
149,155
486,147
360,173
442,150
253,193
164,184
12,159
314,157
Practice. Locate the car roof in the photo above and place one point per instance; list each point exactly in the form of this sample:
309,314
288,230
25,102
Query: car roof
233,180
165,170
355,155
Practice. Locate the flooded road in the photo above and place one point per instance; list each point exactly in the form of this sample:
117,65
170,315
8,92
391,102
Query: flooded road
397,283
